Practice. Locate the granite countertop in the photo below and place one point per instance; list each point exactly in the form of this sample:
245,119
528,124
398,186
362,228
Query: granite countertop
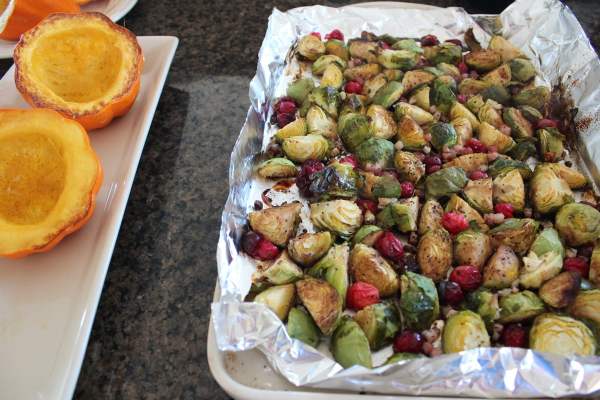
149,336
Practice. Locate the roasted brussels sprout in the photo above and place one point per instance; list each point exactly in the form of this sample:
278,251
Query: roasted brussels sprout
551,144
276,224
342,217
456,204
367,234
278,298
434,253
485,303
310,47
442,134
561,335
321,64
367,265
393,74
464,130
419,115
399,357
366,183
379,322
475,103
519,125
328,98
450,70
522,70
362,72
472,248
319,123
419,303
578,224
472,87
595,265
448,53
337,48
415,78
533,115
354,129
460,111
389,94
382,124
301,326
406,44
322,301
278,272
296,128
574,178
502,269
536,97
375,154
498,93
479,194
445,182
397,59
510,188
544,261
307,248
561,290
442,96
431,216
498,76
469,162
372,86
548,191
523,150
363,49
302,148
483,60
587,306
334,269
333,76
409,167
300,89
517,234
336,180
491,136
490,113
464,330
420,97
353,104
504,165
503,47
277,168
410,134
386,186
402,214
349,345
520,306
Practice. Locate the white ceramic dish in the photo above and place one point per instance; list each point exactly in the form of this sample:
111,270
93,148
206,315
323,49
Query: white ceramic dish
114,9
48,301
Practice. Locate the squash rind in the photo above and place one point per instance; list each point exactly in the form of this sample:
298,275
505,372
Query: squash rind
22,15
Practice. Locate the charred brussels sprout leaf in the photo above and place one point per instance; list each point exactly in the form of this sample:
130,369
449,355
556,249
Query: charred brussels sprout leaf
380,323
544,261
307,248
349,345
276,224
505,48
485,303
419,303
310,47
537,97
319,123
301,326
472,248
522,70
510,188
336,180
434,253
578,224
520,306
322,301
551,144
397,59
419,115
334,269
411,134
505,165
383,125
483,60
479,194
502,269
302,148
402,214
277,168
278,272
367,234
367,265
561,290
408,166
548,191
375,154
278,298
519,125
389,94
431,216
445,182
342,217
321,64
464,330
354,129
448,53
515,233
561,335
300,89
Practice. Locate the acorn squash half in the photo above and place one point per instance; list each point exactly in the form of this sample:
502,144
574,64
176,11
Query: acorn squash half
81,65
49,178
19,16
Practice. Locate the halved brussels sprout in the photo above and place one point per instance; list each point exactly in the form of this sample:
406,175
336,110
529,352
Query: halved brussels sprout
504,165
342,217
456,204
551,144
561,290
276,224
337,48
434,253
322,301
502,269
485,303
333,76
483,60
302,148
386,186
464,130
363,49
328,98
431,216
353,130
419,304
402,214
578,224
442,96
407,44
532,114
517,234
301,326
375,154
491,136
389,94
587,306
445,182
382,124
420,97
353,104
574,178
320,65
595,265
278,272
277,168
419,115
399,357
520,306
294,128
479,194
510,188
490,113
506,49
379,322
497,93
450,70
519,125
523,150
471,87
443,53
498,76
310,47
522,70
334,269
548,191
393,74
336,180
475,103
460,111
362,72
366,183
307,248
415,78
278,298
367,265
469,162
372,86
300,89
319,123
536,97
409,167
442,134
472,248
367,234
561,335
411,134
464,330
397,59
544,261
349,345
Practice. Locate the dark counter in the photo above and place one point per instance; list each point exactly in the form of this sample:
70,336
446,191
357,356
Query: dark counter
149,336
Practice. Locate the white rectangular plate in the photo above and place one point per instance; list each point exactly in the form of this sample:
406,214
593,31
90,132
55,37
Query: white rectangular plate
48,301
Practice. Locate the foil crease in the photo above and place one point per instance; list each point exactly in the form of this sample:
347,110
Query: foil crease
548,32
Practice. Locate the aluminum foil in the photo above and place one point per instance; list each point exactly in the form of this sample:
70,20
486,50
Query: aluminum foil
550,35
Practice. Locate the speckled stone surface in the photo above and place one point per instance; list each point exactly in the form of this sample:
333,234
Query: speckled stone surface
149,336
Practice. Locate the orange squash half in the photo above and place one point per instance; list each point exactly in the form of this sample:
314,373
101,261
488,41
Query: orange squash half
49,178
81,65
19,16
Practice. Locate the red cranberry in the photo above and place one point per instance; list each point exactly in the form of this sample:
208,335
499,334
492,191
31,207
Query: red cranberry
461,98
265,250
390,246
335,34
463,68
384,45
433,168
408,342
316,34
361,295
286,107
284,119
476,145
408,189
367,205
477,175
353,87
454,222
585,251
250,241
432,159
579,264
350,159
303,180
429,40
505,209
547,123
454,41
514,335
467,276
451,293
